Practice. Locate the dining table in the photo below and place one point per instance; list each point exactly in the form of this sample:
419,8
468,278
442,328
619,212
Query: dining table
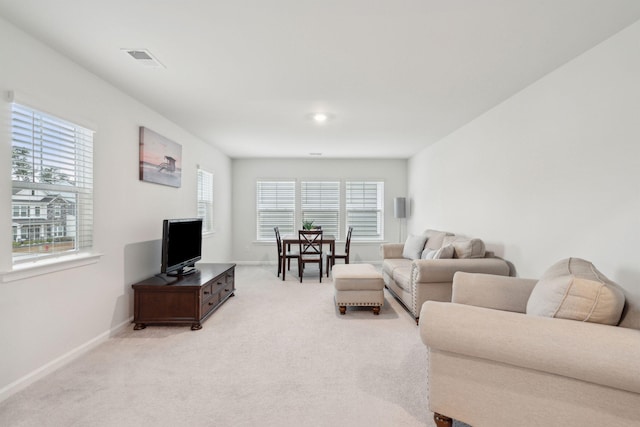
292,239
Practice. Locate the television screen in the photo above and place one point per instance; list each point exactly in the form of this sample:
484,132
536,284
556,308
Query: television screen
181,245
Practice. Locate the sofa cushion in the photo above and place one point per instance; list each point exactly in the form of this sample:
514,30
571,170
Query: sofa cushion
465,247
402,277
435,238
574,289
445,252
413,246
390,264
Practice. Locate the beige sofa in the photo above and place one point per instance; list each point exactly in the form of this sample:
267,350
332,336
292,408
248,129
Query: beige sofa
414,280
492,365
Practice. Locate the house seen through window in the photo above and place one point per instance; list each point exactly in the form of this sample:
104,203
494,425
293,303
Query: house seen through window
52,183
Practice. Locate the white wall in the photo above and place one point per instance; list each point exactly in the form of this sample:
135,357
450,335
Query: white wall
247,171
50,316
553,172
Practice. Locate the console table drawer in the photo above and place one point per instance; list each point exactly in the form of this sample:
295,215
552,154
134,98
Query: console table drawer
225,292
220,281
210,304
206,292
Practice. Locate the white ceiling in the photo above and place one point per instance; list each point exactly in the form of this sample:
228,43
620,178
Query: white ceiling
397,75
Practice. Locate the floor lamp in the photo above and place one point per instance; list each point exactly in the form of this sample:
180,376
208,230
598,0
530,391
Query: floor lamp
400,212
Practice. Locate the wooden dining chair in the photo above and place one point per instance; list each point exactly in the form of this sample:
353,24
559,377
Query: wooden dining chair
310,250
284,253
345,255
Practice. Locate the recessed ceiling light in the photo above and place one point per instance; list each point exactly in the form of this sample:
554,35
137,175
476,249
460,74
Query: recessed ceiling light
320,117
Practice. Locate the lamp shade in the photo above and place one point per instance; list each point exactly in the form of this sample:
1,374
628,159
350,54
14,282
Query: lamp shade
400,207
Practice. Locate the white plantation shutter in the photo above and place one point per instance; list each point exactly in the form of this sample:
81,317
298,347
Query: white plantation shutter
320,203
52,183
365,209
275,207
205,200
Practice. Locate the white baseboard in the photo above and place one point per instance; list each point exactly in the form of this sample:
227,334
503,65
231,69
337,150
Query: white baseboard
32,377
254,262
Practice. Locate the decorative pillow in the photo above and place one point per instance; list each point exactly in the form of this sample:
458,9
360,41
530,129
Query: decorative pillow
574,289
465,247
413,246
445,252
435,238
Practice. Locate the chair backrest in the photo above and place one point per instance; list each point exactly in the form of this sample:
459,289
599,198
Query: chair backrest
348,244
278,240
310,242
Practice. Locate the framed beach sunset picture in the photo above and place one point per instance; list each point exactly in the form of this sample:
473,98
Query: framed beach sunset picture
160,159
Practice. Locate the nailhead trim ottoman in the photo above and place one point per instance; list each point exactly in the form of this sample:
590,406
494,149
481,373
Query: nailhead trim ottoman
358,285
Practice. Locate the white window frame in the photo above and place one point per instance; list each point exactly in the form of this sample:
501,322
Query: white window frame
320,203
48,145
364,209
275,206
205,200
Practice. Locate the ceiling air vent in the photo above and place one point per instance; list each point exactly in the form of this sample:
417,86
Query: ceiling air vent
144,57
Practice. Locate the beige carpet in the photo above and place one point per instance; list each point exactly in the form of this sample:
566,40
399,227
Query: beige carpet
277,354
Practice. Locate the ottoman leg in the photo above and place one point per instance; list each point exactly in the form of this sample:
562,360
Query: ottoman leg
343,309
376,310
442,420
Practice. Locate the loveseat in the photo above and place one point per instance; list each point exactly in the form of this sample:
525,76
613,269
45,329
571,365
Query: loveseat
422,268
520,352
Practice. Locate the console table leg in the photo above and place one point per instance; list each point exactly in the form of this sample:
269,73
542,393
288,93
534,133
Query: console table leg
139,326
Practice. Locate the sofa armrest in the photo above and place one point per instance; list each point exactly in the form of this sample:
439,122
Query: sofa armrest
391,250
491,291
443,270
596,353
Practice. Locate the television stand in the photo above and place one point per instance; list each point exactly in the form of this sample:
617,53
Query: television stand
189,299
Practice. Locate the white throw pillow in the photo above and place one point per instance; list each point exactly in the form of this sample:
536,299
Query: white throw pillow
428,253
445,252
413,246
574,289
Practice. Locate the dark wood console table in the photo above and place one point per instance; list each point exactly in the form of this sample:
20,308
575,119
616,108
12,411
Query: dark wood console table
163,299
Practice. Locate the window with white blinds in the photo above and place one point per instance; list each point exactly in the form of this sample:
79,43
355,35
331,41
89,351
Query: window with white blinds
365,209
276,202
52,185
320,203
205,200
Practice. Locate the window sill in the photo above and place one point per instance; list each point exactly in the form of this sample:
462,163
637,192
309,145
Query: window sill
37,268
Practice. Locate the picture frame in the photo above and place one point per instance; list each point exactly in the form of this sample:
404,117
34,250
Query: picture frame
160,159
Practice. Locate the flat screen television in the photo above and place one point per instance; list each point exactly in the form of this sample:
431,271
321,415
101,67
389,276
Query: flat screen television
181,245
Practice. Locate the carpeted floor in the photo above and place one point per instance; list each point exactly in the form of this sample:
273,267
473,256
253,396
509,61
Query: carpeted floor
277,354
